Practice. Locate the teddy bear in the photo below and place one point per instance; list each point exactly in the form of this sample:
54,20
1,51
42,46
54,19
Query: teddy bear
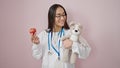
75,31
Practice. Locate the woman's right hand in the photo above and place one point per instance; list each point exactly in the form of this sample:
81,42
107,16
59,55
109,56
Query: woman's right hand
35,39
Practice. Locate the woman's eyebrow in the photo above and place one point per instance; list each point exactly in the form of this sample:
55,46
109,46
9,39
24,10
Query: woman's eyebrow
60,13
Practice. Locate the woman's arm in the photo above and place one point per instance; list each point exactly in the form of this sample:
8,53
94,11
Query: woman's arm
36,51
37,48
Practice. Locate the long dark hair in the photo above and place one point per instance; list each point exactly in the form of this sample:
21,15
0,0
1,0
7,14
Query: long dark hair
51,17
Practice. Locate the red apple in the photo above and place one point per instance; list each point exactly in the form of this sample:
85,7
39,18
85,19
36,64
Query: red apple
32,31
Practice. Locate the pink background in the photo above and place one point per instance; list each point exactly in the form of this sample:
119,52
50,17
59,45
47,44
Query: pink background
100,19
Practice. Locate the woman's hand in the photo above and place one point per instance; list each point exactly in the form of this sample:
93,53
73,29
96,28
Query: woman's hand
67,43
34,38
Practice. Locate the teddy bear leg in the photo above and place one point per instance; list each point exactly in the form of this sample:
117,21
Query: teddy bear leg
73,58
66,55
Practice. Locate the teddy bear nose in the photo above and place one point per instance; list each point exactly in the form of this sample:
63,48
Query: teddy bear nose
76,31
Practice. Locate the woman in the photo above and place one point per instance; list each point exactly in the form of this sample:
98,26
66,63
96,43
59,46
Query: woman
48,47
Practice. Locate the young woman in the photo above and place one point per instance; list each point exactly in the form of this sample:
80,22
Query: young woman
47,45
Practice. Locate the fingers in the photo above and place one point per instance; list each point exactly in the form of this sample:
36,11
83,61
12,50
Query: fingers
35,39
67,43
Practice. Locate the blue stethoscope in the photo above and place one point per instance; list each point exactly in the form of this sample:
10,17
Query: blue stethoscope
60,34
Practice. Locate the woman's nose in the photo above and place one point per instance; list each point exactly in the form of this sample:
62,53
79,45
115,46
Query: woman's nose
62,17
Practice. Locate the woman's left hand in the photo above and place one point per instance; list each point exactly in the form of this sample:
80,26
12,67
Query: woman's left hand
67,43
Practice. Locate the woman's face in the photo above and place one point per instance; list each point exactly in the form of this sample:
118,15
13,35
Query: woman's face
60,17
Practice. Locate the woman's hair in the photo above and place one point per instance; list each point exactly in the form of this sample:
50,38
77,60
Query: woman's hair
52,14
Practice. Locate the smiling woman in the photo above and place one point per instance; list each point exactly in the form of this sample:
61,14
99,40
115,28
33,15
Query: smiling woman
60,19
51,47
100,19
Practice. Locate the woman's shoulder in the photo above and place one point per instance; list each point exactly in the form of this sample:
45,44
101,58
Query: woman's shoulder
43,32
67,30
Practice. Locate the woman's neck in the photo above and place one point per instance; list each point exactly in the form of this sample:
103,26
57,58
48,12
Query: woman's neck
56,29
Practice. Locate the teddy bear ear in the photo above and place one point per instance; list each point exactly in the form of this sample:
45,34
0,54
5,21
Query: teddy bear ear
71,23
80,26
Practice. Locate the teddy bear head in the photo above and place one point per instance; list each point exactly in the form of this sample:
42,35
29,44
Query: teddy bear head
75,28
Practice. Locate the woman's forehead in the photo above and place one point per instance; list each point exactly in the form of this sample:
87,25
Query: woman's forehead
59,11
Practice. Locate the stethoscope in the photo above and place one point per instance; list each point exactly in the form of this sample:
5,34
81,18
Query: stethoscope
50,44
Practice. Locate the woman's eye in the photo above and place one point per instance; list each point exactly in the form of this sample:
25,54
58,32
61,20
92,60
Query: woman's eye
58,16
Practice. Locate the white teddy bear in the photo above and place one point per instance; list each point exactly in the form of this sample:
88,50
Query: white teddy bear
69,54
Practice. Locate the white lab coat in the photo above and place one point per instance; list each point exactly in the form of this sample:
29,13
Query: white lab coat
40,51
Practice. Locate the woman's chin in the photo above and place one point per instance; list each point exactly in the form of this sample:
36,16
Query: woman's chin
62,24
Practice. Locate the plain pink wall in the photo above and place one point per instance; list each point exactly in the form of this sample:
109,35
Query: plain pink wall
100,19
